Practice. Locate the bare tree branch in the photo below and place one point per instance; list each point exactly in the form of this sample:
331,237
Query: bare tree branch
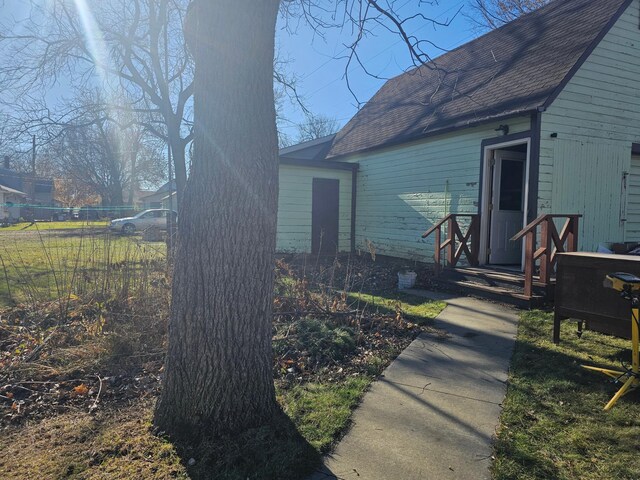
492,14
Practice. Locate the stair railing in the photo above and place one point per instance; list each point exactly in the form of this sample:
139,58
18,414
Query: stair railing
469,241
551,243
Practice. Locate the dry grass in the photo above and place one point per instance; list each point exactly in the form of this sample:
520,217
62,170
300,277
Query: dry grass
78,445
99,363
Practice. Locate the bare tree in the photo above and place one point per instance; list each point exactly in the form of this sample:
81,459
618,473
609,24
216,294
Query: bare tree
100,157
218,371
316,126
492,14
132,48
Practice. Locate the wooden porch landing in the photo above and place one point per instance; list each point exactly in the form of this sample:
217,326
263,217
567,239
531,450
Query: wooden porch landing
497,284
533,287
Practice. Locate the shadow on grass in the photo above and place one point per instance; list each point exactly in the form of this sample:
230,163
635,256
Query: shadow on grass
415,308
553,424
276,451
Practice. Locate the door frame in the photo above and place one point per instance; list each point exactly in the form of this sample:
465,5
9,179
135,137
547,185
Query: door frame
487,184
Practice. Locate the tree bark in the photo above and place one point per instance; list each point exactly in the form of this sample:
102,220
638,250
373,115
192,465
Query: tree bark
218,371
179,164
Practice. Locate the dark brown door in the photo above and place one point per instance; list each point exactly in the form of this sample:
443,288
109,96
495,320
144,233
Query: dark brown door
324,216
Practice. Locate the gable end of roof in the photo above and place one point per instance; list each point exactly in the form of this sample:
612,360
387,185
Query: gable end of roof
587,53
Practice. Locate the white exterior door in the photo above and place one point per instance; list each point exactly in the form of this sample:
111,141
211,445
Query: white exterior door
507,207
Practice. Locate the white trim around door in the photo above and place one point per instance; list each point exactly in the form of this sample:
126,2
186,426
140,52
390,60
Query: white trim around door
487,191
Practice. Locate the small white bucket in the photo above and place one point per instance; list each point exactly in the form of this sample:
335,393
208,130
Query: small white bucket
406,280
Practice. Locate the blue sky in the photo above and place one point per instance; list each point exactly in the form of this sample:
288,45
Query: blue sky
320,69
319,63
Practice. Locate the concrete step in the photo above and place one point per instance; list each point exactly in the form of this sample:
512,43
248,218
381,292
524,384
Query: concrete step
492,275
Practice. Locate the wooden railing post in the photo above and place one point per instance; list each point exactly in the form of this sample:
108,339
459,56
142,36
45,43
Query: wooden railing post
451,237
545,242
572,238
529,262
437,248
475,240
469,241
551,243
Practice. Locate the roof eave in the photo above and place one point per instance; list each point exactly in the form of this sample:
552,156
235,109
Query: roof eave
322,164
440,131
12,191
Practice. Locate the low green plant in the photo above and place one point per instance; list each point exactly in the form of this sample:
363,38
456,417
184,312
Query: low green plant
323,339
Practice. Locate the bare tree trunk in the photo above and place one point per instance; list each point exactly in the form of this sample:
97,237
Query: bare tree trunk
133,181
218,372
179,165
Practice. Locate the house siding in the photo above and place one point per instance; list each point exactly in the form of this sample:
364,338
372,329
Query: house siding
294,207
632,226
596,119
404,190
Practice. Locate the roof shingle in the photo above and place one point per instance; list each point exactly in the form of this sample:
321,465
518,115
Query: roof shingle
513,69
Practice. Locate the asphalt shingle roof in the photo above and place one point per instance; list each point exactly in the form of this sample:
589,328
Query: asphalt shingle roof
513,69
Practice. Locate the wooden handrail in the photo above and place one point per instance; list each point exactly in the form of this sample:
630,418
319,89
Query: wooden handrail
469,242
551,243
533,225
435,226
444,220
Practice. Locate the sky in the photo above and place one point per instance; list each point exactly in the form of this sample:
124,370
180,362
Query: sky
319,63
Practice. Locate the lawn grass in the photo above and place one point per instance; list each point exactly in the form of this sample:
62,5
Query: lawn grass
35,226
321,412
417,309
44,266
553,425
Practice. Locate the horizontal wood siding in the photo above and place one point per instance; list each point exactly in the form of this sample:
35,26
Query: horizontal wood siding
294,207
595,192
403,190
595,119
632,226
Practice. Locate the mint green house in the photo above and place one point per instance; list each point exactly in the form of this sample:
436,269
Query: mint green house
541,116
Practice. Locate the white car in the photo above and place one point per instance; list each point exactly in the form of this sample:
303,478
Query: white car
155,218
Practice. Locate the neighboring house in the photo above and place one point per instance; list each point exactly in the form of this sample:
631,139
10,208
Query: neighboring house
139,195
38,203
170,201
539,116
9,198
154,200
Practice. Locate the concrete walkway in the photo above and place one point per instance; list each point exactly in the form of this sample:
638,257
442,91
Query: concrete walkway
433,413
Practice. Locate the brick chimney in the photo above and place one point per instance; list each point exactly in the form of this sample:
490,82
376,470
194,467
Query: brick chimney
7,162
